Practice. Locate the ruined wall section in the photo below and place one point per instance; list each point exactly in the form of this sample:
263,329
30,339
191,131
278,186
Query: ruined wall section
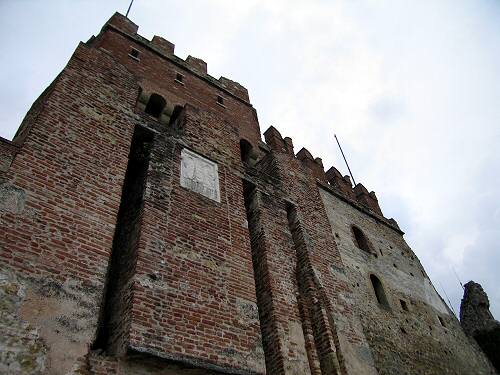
478,322
414,332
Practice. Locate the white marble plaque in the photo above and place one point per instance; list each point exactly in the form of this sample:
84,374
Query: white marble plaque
199,175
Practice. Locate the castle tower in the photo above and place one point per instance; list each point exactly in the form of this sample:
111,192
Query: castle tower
147,228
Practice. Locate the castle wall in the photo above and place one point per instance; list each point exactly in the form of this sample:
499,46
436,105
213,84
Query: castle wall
137,237
58,206
312,292
187,292
156,70
402,342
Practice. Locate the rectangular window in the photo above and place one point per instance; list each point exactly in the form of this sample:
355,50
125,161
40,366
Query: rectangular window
134,53
220,101
179,78
404,305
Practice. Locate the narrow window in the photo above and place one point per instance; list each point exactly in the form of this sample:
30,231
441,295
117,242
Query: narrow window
220,100
360,239
134,53
441,321
155,105
179,78
404,306
379,291
245,148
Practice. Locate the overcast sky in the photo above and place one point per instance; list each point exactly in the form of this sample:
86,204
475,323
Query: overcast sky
412,88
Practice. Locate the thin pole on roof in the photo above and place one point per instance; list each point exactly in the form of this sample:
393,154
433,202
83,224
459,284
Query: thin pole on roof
130,6
345,159
447,298
458,278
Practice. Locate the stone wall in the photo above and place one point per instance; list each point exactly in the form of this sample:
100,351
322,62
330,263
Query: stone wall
414,332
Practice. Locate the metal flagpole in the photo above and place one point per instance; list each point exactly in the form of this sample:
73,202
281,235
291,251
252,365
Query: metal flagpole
447,298
345,159
130,6
456,275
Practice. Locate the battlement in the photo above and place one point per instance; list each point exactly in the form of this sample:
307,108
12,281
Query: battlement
341,184
166,49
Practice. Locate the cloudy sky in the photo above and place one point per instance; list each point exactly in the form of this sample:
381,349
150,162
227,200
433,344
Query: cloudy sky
412,88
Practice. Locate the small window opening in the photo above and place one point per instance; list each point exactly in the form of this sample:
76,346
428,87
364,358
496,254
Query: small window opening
245,149
395,265
156,105
134,53
361,240
441,321
220,100
175,114
403,330
379,291
179,78
381,253
404,305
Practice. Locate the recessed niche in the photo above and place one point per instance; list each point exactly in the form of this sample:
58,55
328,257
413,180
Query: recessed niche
404,305
441,320
179,78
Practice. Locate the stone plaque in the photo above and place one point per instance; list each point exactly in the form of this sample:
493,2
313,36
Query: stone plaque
199,175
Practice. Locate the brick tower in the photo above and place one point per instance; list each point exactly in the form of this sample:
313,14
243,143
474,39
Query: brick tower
147,229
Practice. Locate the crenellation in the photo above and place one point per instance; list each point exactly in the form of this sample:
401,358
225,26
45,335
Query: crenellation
197,64
342,184
235,88
163,45
122,23
289,145
304,154
312,164
166,49
274,139
368,199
